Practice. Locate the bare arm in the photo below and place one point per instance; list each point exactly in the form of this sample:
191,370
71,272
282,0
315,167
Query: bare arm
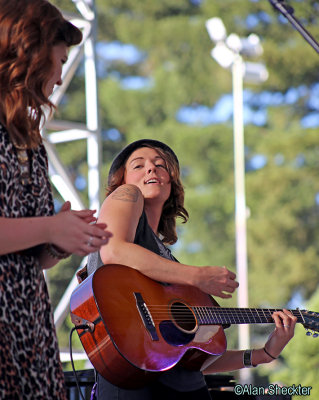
121,212
22,233
279,338
69,230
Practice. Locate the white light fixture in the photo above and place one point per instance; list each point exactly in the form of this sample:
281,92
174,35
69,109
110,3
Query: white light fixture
255,72
216,29
223,55
251,46
229,48
234,43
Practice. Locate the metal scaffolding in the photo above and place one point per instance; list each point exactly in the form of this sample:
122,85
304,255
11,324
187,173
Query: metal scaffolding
66,131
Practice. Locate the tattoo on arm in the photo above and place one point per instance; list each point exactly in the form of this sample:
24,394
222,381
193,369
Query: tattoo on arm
129,194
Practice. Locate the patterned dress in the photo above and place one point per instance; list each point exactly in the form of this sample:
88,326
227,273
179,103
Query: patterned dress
29,358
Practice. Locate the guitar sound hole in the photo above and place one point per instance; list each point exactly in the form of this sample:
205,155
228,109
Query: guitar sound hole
183,317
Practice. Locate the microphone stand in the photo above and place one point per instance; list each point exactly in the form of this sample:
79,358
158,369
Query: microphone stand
287,12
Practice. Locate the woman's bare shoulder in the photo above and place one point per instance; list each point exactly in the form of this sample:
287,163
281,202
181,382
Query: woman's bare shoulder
128,193
126,198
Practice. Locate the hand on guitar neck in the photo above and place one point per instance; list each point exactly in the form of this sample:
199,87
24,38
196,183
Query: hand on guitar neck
231,360
284,331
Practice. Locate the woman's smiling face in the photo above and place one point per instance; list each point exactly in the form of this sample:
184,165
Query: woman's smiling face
147,170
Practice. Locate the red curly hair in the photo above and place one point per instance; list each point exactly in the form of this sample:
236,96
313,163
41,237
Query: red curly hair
28,31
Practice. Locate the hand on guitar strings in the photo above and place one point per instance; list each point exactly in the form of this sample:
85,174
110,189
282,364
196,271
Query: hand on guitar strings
285,327
217,281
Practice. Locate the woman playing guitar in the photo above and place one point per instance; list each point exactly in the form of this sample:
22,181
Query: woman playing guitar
144,198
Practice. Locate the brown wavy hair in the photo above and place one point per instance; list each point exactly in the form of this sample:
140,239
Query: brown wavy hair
28,31
174,205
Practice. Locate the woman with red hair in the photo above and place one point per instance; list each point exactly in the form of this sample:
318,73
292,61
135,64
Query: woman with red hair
34,42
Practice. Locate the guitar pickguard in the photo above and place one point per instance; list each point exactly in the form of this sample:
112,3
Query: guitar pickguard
174,336
205,333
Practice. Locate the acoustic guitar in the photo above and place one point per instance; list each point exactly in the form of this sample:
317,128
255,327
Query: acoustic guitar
134,327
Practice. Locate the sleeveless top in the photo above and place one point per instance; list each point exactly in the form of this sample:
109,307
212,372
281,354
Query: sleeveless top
177,377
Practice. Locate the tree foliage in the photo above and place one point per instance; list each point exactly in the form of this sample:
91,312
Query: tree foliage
301,360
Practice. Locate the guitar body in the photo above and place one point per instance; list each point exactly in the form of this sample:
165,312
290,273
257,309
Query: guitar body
141,327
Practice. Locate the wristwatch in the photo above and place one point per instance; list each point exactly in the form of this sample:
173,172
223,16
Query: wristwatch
247,359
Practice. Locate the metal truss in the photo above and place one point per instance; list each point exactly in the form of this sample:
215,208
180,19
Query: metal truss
66,131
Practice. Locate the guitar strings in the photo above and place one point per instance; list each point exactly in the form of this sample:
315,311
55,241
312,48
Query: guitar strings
217,315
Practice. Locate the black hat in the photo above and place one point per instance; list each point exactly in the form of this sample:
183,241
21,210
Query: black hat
121,158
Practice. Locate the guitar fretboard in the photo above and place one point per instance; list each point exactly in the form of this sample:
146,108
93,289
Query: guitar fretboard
217,315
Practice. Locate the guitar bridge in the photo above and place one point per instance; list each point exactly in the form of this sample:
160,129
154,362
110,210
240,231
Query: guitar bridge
146,316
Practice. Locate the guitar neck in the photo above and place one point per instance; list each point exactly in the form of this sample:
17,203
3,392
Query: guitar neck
225,316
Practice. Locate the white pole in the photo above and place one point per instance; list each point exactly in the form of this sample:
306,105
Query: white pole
92,116
240,205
